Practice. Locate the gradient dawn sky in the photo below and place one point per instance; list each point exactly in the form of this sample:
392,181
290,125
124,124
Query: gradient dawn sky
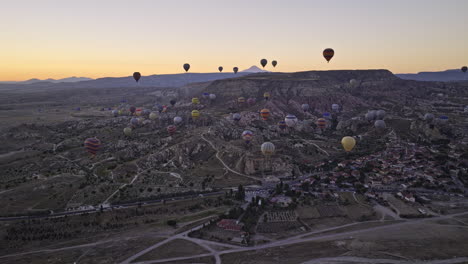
99,38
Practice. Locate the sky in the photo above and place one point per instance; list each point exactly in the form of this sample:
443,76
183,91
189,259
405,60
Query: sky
102,38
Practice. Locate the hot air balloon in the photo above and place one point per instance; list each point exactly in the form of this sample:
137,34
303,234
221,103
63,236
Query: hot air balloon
268,149
291,120
305,107
92,145
265,113
195,101
171,129
353,82
335,107
177,120
136,76
158,107
348,143
247,136
127,131
212,97
138,111
164,108
173,102
195,114
321,123
380,124
327,115
132,110
153,115
205,95
146,112
235,69
380,114
428,117
186,67
464,69
282,124
328,54
241,100
443,119
263,62
115,113
220,68
134,121
236,117
371,115
274,63
266,95
251,101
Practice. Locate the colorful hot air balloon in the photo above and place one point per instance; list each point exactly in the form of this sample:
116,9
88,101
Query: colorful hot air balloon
265,113
235,69
127,131
464,69
138,111
268,149
274,63
380,124
177,120
195,114
282,124
328,54
266,95
92,145
251,101
173,102
321,123
212,97
241,100
263,62
247,136
236,117
132,110
195,101
115,113
153,116
186,67
136,76
443,119
348,143
327,115
305,107
171,129
291,120
220,68
205,95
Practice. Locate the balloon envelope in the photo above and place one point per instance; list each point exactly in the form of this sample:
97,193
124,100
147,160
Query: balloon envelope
380,114
380,124
348,143
305,107
328,54
274,63
247,136
220,68
186,67
177,120
236,117
265,113
464,69
212,96
263,62
127,131
136,76
268,148
92,145
235,69
290,120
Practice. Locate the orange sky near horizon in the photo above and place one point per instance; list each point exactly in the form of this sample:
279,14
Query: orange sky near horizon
58,39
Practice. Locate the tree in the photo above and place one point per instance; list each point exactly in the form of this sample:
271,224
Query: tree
172,223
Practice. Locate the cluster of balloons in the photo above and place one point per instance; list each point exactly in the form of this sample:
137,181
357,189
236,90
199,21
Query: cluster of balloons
264,62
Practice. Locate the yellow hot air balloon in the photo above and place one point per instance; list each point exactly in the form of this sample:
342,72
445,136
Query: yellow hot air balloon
195,114
348,143
195,100
127,131
153,116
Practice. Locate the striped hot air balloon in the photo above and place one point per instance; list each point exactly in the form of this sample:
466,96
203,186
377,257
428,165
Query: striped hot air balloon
266,95
92,145
195,114
177,120
195,101
241,100
268,149
282,125
321,123
328,54
290,120
171,129
236,117
327,115
265,113
247,136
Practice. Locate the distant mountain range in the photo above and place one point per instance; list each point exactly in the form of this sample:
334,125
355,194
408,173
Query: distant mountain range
64,80
442,76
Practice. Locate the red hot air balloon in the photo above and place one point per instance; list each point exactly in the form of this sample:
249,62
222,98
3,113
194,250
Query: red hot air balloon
136,76
92,145
328,54
171,129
